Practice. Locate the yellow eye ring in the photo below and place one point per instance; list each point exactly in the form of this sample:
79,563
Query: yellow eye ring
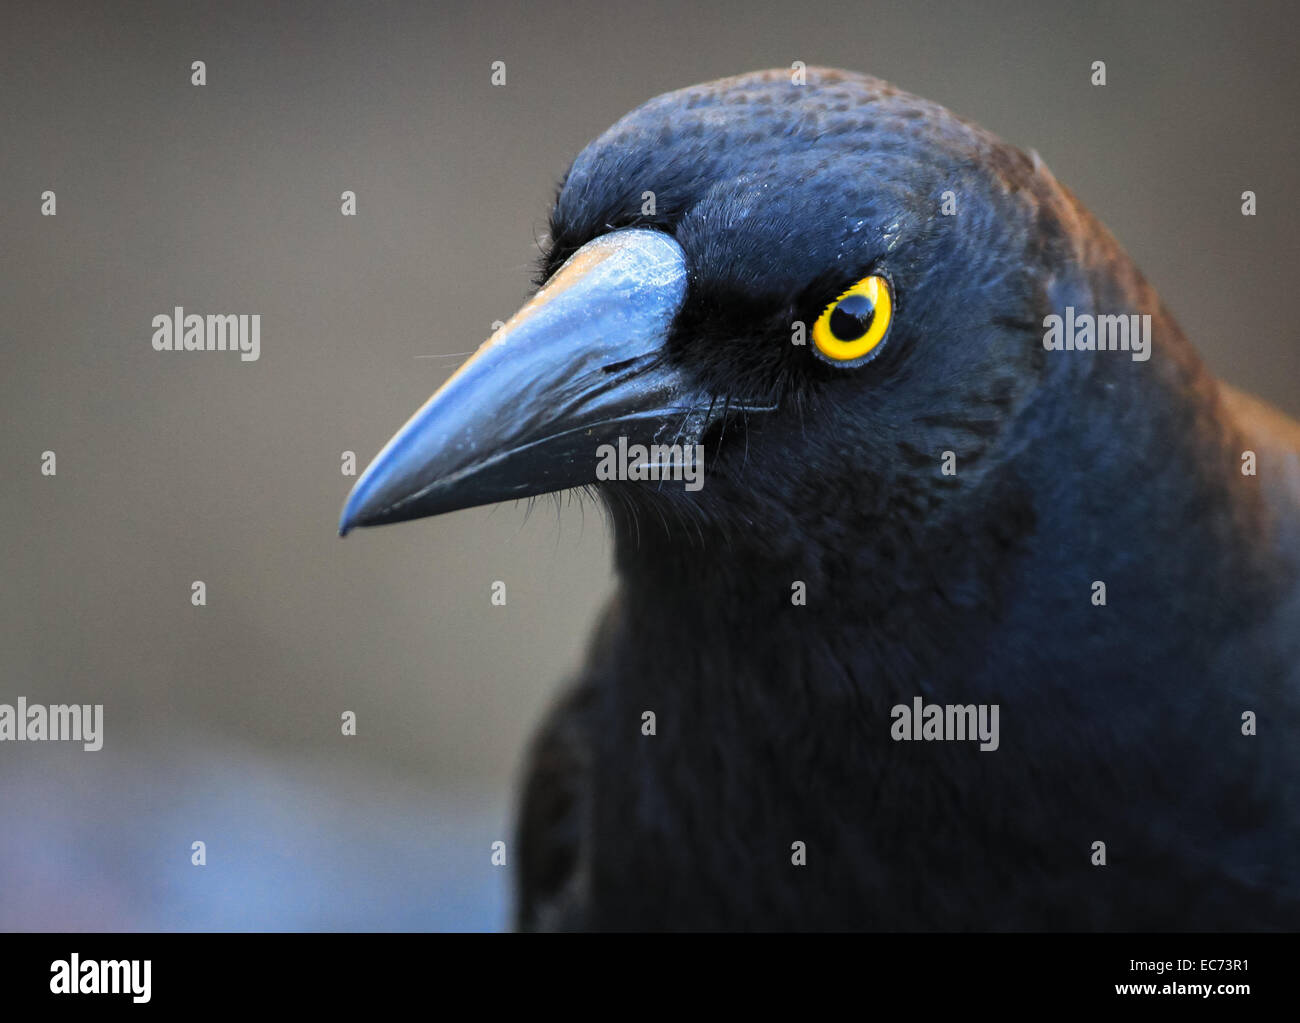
852,326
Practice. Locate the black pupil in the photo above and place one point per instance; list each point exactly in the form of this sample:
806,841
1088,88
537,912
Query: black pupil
852,318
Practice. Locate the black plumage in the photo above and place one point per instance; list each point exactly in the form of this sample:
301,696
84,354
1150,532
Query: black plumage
1120,723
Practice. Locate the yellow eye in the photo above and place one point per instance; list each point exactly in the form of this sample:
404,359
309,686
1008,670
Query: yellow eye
853,326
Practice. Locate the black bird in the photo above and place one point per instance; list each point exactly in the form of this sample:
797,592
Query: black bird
843,293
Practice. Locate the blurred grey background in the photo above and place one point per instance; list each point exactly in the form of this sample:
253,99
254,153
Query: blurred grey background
222,722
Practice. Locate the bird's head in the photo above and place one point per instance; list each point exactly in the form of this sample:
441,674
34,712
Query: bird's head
826,285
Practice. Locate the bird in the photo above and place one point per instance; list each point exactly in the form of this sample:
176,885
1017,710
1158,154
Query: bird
916,496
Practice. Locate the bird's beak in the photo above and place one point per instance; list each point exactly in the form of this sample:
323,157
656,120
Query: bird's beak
580,365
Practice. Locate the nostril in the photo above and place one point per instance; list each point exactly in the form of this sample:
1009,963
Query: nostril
615,367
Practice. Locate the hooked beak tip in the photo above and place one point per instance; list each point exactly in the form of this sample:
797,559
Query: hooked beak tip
355,510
